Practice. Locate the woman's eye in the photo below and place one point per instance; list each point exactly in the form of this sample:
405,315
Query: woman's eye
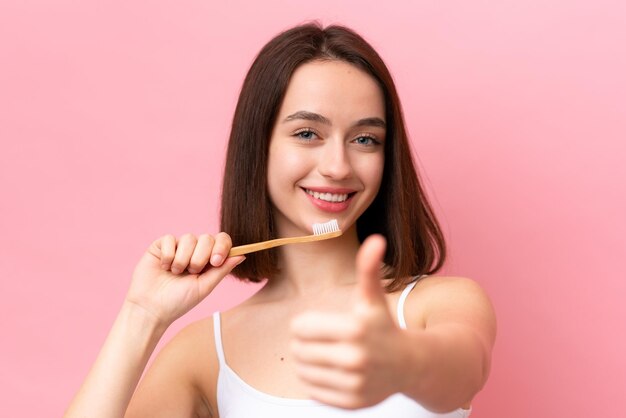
305,134
366,140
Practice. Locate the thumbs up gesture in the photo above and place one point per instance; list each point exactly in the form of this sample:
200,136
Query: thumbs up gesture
355,359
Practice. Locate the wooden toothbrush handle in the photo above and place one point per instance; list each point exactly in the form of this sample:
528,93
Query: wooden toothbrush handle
250,248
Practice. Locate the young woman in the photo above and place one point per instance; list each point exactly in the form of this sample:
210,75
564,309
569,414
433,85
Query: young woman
351,326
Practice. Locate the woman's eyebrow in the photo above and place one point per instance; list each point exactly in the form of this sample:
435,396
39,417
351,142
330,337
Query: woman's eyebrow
303,114
377,122
316,117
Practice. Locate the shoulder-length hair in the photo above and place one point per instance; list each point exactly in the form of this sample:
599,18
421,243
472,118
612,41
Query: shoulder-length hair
400,211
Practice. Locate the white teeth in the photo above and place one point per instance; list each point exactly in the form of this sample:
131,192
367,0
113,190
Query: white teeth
328,197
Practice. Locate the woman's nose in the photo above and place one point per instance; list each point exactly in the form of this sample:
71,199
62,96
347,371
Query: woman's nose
334,161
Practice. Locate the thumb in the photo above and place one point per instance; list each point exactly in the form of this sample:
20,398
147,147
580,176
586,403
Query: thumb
369,260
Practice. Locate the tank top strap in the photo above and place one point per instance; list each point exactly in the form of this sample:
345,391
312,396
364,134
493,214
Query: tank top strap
217,332
403,296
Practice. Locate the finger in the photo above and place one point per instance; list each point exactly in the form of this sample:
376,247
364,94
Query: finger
184,249
166,247
201,253
330,378
222,246
212,277
334,355
326,326
369,261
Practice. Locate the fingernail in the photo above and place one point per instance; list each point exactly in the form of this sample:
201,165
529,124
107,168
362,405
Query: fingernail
241,261
216,260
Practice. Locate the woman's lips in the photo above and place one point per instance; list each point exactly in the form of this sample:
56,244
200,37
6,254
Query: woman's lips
330,200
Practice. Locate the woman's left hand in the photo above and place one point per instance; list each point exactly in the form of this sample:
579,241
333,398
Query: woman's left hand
356,359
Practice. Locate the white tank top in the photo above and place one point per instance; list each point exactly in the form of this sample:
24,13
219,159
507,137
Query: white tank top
237,399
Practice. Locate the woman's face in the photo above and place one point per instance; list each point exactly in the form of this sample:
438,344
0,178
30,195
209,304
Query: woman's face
326,152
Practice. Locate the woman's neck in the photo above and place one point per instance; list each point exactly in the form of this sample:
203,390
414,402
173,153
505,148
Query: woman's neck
314,268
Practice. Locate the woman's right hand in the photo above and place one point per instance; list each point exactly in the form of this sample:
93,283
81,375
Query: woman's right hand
174,275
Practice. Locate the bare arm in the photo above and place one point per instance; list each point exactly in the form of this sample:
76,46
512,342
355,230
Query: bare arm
172,277
110,384
449,354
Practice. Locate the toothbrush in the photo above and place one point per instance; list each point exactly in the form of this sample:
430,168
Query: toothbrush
322,231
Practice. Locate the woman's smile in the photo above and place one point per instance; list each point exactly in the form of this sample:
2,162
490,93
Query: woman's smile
330,199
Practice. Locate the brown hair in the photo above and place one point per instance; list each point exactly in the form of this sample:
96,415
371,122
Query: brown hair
400,211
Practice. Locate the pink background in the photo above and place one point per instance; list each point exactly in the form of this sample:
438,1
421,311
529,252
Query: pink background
114,118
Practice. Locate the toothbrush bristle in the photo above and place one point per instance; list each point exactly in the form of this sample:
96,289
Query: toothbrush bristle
326,227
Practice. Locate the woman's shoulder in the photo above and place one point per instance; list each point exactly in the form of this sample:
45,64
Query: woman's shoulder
193,335
445,284
182,377
430,288
449,299
192,346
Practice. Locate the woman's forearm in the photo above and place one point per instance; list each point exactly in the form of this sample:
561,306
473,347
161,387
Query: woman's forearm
109,386
447,366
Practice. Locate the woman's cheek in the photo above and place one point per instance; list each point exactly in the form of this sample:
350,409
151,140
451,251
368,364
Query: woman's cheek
370,168
297,163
